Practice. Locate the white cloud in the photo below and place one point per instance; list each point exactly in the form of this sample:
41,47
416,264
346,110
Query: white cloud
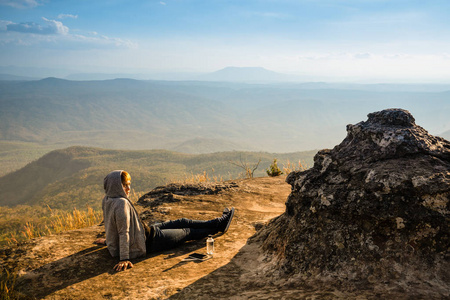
21,4
57,26
55,33
101,41
52,27
162,3
65,16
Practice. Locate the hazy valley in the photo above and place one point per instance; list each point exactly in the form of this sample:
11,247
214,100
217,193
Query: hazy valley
204,117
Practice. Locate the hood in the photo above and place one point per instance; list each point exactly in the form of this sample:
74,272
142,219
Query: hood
113,185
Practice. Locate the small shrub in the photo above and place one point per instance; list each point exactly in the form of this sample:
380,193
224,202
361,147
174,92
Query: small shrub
274,170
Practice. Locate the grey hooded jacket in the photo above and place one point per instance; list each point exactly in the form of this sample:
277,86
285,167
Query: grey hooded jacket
125,235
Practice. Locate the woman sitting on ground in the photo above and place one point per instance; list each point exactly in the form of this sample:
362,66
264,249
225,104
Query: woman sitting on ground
127,237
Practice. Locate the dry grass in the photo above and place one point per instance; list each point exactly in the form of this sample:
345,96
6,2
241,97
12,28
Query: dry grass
134,197
199,178
7,285
290,167
58,222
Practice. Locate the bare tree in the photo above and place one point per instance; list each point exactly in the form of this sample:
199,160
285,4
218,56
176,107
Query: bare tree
249,170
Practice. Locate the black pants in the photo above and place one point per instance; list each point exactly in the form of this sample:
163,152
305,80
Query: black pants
170,234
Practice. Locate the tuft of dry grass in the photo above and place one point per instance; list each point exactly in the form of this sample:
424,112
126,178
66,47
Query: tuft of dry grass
29,231
199,178
7,285
76,219
11,240
290,167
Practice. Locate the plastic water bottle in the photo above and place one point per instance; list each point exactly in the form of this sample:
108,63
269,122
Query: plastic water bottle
210,245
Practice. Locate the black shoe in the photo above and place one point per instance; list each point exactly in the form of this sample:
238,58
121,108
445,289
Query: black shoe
225,223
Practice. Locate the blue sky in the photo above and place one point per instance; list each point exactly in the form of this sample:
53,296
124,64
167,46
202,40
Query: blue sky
334,40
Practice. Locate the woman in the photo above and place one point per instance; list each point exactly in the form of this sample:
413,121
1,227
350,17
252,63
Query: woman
127,237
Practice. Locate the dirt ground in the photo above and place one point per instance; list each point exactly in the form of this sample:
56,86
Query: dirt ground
70,266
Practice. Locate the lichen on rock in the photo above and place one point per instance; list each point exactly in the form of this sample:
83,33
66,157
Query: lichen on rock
375,209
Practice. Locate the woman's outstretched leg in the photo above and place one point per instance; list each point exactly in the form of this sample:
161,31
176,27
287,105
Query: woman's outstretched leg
188,223
171,234
165,239
215,224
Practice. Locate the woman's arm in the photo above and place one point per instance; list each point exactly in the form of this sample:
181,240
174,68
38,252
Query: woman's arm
122,216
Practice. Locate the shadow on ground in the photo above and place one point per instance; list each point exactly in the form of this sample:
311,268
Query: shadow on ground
82,266
244,278
65,272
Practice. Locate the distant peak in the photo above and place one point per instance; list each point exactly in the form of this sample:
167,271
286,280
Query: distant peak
244,69
123,79
250,74
52,79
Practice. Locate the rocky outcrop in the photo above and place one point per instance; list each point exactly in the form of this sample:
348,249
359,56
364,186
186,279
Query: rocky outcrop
372,211
175,193
169,193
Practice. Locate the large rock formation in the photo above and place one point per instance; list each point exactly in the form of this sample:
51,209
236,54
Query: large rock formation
373,210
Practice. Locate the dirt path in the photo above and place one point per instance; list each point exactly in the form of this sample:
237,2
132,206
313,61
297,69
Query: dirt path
69,266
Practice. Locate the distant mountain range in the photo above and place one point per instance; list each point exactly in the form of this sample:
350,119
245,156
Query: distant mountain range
246,74
16,78
227,74
195,116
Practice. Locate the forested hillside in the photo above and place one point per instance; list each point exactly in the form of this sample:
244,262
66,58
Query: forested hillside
73,177
71,180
